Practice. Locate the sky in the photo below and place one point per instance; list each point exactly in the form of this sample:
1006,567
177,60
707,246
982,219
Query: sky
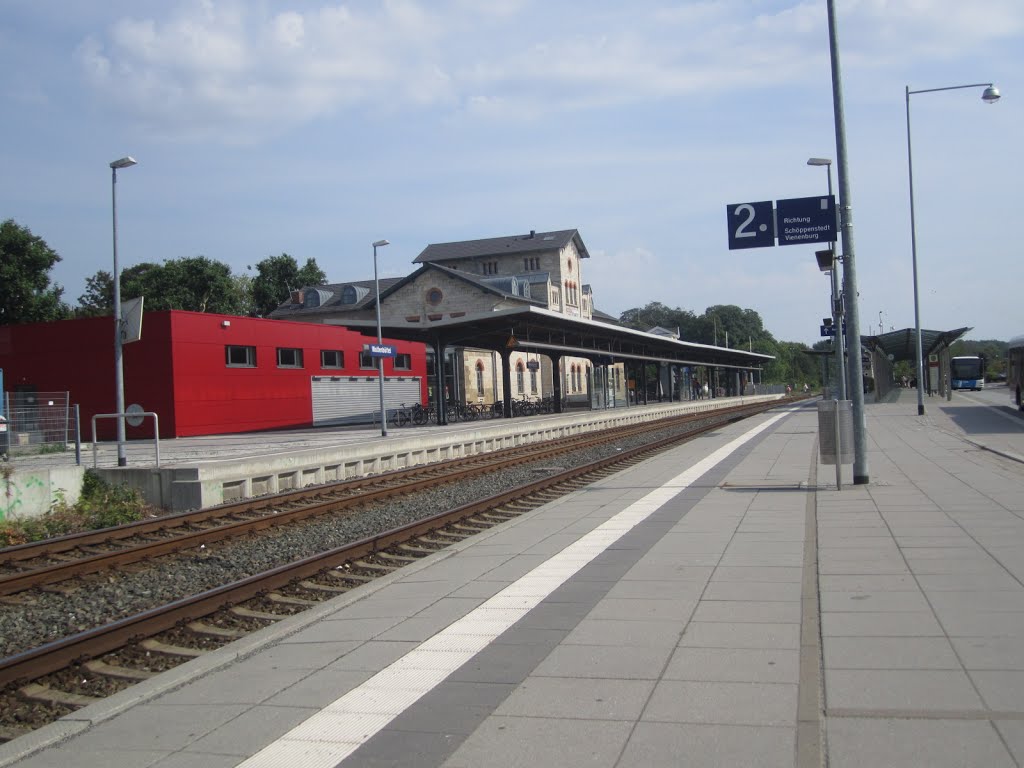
315,128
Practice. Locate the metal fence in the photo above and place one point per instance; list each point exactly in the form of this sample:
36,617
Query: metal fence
37,422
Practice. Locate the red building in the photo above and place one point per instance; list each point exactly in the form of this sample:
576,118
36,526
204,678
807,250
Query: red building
209,374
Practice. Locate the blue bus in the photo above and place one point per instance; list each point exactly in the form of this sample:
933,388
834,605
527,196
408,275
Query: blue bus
967,372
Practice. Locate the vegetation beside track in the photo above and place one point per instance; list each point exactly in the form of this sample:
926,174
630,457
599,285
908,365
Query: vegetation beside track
100,505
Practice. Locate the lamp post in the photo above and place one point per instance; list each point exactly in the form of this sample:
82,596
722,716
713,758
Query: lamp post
122,459
380,340
990,95
852,308
837,297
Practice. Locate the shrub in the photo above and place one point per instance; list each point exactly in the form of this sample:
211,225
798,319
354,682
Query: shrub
100,505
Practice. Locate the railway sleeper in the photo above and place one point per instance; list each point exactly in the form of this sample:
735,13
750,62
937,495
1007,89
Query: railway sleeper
398,560
418,552
151,644
315,587
346,575
373,567
37,692
468,527
201,628
277,597
249,613
116,670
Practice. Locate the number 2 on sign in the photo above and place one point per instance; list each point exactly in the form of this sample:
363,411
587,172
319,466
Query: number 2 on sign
741,230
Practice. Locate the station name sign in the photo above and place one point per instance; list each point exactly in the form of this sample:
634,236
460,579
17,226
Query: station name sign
796,221
379,350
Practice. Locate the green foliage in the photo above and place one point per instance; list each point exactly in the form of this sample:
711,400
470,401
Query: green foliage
98,298
100,505
194,284
26,295
276,276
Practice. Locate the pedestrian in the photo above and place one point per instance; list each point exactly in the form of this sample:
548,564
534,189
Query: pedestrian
706,392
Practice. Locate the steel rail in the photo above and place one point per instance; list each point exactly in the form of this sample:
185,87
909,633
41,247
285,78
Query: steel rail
58,654
356,492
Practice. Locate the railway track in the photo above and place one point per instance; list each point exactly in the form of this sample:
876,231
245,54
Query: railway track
56,560
42,684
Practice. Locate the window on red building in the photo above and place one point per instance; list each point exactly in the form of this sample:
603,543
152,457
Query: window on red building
332,358
239,357
289,357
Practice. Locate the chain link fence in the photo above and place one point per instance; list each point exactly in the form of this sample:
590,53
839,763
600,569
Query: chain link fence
37,422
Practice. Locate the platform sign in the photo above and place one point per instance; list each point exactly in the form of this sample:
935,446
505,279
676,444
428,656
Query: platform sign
751,225
806,220
379,350
830,330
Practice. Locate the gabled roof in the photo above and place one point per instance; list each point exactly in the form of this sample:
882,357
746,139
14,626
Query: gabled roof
604,317
501,246
486,284
330,298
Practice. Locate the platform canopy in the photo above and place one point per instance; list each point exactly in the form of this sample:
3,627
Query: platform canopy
535,329
902,345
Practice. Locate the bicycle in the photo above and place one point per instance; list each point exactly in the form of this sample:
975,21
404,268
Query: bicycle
402,417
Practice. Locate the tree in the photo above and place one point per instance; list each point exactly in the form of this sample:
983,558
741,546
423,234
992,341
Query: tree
194,284
98,298
26,295
276,276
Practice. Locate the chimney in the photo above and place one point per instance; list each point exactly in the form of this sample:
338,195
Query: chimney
533,232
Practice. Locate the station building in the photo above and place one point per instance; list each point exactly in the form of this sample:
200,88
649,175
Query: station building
206,373
472,278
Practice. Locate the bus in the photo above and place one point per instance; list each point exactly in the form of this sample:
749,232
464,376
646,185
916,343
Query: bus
967,372
1015,369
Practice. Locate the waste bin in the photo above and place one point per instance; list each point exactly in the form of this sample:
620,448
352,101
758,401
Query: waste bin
829,413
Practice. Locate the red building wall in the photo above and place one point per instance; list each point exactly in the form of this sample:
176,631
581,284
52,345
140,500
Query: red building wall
179,369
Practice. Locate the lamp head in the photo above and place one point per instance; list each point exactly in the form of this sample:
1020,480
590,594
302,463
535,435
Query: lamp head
819,161
128,162
824,259
381,243
990,95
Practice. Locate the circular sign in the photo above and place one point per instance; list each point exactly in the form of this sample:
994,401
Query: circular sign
134,417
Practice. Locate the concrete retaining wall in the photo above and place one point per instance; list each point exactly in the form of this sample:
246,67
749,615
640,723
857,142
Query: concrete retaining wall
210,483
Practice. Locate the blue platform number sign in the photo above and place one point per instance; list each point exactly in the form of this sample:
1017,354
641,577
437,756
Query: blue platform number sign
807,220
751,225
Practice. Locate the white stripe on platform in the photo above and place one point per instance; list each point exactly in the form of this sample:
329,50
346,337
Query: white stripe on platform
331,735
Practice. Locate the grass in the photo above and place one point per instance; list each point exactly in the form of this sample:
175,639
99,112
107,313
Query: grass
100,505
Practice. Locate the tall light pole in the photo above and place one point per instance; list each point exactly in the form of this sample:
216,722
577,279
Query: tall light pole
990,95
860,438
380,340
122,459
837,298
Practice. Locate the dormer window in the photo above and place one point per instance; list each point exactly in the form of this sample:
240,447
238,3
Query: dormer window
315,297
353,294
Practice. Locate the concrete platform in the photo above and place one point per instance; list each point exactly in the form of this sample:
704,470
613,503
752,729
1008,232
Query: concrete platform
719,605
198,472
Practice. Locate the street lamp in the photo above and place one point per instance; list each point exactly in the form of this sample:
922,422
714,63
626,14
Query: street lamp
837,301
122,459
380,340
990,95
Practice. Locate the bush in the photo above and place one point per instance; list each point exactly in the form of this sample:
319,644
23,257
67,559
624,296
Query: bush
100,505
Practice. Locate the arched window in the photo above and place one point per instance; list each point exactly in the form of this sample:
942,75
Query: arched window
479,378
520,383
533,381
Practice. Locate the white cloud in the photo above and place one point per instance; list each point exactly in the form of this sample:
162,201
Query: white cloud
227,69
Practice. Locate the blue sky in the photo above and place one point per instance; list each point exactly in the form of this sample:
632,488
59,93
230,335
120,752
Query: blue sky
315,128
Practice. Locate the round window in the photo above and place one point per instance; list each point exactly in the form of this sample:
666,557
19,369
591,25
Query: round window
434,296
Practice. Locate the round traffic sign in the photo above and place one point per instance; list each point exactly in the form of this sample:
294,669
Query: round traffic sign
134,417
